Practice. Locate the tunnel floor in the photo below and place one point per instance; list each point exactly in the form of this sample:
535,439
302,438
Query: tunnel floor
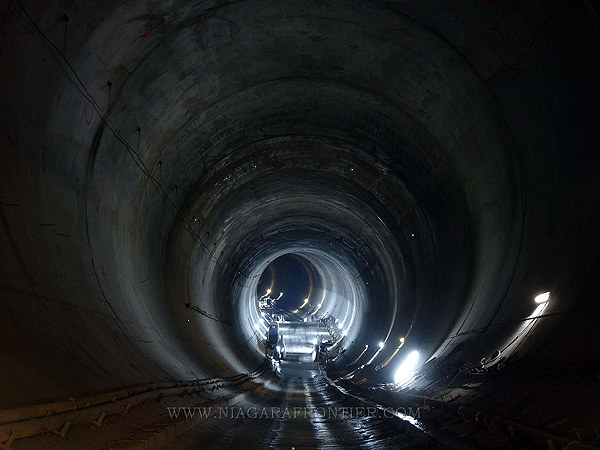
311,414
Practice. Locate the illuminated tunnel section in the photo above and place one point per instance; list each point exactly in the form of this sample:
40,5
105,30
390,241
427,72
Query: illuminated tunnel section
334,227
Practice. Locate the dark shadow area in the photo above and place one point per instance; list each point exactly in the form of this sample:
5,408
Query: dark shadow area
290,274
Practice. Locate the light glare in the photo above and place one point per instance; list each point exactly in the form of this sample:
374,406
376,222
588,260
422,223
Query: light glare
407,368
542,298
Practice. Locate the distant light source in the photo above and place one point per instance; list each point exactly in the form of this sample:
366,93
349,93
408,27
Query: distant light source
407,368
387,361
542,298
381,344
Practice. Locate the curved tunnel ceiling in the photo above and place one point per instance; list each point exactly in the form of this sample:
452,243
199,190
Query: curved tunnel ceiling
433,166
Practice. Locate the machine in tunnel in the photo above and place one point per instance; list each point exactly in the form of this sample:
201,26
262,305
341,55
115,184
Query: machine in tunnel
388,185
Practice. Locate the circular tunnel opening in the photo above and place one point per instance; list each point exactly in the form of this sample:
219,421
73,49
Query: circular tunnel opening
293,277
306,233
335,292
284,214
329,303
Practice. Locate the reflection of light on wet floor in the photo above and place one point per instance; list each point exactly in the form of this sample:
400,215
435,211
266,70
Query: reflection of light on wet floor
304,388
323,433
293,429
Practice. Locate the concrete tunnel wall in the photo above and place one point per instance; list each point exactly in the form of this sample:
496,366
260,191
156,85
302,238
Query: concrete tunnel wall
155,154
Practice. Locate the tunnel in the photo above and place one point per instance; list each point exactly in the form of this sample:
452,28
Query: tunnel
379,215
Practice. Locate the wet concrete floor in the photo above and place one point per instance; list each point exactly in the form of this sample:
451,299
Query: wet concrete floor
308,414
